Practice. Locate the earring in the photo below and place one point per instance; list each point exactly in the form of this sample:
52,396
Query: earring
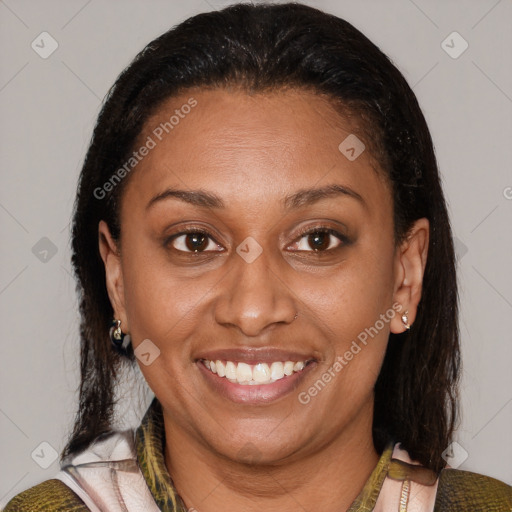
119,339
296,315
405,320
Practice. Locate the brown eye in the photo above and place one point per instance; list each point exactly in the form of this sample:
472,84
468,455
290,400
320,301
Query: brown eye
319,240
194,241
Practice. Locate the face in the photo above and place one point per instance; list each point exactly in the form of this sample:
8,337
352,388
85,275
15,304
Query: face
272,221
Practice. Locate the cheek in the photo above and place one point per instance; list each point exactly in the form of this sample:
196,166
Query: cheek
160,302
354,309
354,317
357,292
169,306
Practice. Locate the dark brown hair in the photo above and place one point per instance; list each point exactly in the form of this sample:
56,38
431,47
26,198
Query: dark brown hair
262,48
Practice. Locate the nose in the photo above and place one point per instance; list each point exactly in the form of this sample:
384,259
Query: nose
254,296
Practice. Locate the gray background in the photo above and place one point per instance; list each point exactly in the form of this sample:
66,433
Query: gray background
47,111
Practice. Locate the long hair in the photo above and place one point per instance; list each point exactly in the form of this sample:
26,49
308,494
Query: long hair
262,48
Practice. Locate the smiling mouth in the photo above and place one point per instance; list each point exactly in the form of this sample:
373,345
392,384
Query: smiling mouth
254,374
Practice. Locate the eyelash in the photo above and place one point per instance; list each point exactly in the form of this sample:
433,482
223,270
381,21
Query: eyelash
303,232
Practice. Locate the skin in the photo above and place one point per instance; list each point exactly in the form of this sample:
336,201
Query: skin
252,151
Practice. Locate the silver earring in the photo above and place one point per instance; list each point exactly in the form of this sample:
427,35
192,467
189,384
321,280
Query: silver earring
405,320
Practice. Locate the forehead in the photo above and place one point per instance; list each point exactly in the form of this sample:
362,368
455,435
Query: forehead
251,146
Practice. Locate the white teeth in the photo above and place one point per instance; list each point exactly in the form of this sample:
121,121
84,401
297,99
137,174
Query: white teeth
277,371
297,367
221,369
243,373
260,373
288,367
230,370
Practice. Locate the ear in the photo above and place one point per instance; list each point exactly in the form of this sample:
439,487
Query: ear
410,262
113,273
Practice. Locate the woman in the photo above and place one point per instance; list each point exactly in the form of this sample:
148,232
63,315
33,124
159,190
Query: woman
260,226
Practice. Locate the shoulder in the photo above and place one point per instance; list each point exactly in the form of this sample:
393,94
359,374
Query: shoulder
50,496
462,490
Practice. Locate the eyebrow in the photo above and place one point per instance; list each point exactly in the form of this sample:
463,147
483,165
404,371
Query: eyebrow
303,197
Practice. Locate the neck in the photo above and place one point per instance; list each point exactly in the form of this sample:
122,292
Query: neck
328,479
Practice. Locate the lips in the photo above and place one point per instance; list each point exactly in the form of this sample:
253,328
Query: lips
255,355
